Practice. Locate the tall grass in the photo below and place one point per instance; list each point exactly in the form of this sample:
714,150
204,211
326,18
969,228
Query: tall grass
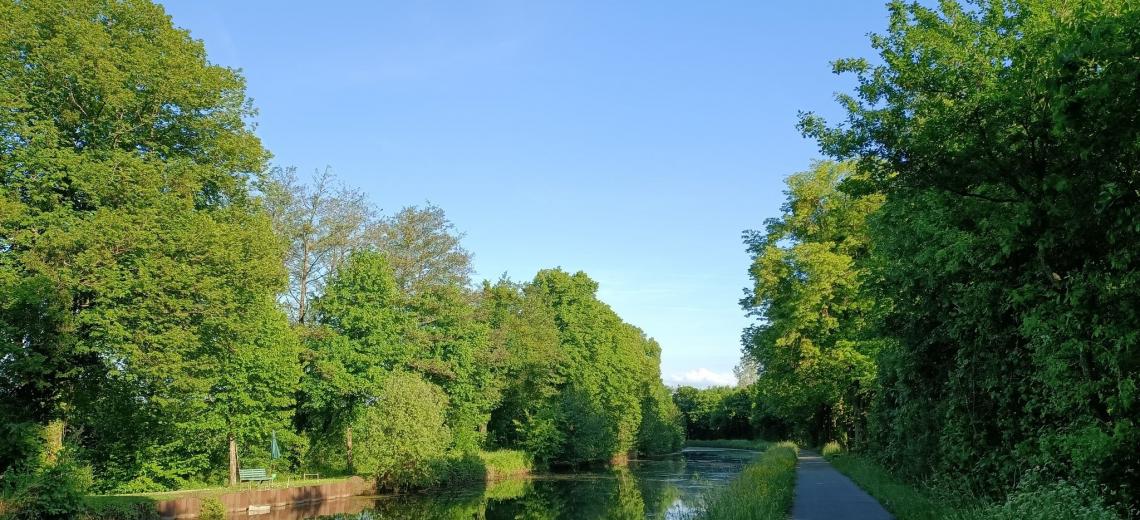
736,444
505,463
763,491
1032,501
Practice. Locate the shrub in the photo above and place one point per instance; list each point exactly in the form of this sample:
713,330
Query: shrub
212,509
1048,502
831,449
403,435
47,492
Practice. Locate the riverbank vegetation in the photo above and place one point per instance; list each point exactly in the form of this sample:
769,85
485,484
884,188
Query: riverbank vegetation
733,444
171,305
930,501
763,491
954,298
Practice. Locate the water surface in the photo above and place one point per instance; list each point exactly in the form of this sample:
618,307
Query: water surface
668,487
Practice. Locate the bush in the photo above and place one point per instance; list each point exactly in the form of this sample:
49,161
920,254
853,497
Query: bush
48,492
831,449
1058,500
119,508
763,491
403,435
212,509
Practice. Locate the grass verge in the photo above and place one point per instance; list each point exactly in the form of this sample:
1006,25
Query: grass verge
763,491
1033,501
905,501
736,444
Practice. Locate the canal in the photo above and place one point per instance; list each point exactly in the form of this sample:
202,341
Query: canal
668,487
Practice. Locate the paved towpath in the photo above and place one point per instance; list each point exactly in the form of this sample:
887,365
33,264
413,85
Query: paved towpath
823,493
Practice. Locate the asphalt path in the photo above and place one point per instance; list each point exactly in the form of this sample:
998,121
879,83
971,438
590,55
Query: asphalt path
823,493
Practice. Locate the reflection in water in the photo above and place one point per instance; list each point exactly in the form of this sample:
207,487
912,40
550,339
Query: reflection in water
668,487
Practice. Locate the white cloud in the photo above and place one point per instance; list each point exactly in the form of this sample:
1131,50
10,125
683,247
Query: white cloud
703,377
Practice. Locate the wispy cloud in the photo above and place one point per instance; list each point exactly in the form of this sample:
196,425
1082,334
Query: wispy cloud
703,377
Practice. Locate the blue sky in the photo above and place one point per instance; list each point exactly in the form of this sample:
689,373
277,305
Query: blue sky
631,140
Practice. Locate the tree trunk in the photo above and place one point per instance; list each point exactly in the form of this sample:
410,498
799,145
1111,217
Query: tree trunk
348,444
233,460
303,283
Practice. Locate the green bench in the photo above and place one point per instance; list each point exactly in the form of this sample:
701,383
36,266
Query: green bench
257,475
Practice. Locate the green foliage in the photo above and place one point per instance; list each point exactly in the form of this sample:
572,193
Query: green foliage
661,429
1048,502
212,509
1002,135
831,449
1033,499
814,338
424,249
45,491
148,258
403,432
735,444
763,491
505,463
143,318
578,385
722,413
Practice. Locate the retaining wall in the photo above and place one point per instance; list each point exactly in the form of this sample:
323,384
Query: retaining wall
283,503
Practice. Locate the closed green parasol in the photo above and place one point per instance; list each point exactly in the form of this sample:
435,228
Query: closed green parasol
274,450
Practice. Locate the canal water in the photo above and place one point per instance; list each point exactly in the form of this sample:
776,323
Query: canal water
667,487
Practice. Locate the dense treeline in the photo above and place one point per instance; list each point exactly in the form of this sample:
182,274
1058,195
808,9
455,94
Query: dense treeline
958,298
168,302
728,413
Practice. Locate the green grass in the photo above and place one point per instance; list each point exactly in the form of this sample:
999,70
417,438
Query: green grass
904,500
736,444
763,491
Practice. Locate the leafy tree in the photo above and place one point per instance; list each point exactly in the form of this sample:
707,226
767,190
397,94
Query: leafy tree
449,348
362,336
814,343
1005,139
424,249
321,223
525,354
163,290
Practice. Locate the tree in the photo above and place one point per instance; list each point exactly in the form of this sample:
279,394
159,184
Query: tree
814,340
131,254
525,356
321,223
424,249
1004,137
746,371
361,337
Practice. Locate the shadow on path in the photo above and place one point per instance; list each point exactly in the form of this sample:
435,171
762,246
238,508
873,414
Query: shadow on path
823,493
